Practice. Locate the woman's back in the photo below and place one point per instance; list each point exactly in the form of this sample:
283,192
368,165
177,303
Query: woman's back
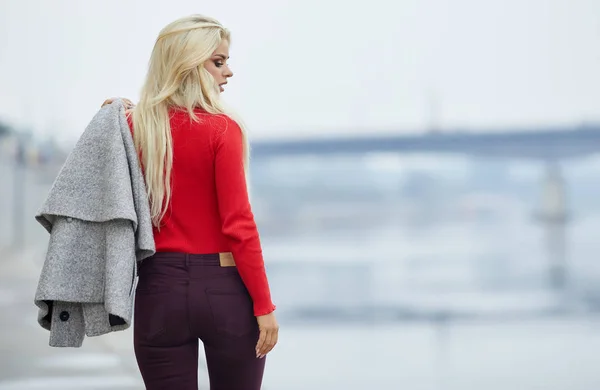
209,209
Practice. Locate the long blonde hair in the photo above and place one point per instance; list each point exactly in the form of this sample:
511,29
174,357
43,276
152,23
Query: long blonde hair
176,78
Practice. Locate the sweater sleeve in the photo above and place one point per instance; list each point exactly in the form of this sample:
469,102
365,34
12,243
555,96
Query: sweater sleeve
237,219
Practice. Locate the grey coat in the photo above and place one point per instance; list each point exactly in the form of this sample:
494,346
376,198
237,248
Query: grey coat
98,217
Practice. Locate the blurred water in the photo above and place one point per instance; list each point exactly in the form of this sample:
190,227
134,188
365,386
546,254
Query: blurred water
530,355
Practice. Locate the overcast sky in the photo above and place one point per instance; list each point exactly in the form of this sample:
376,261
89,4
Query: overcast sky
317,67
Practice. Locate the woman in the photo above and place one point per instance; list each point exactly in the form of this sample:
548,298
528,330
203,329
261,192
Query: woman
207,280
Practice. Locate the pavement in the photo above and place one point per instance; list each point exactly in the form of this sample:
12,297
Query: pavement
27,362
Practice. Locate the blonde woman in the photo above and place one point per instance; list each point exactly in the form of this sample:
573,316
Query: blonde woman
207,280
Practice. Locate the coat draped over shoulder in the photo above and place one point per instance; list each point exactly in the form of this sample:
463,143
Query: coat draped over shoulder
98,218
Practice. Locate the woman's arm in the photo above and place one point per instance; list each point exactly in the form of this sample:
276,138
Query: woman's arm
240,228
238,223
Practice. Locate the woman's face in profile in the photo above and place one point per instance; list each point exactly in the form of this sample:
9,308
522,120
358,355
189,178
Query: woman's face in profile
217,65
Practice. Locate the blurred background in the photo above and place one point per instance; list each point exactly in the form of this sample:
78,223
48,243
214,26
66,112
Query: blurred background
425,178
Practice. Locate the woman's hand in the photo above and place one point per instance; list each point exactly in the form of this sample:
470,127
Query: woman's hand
269,333
128,103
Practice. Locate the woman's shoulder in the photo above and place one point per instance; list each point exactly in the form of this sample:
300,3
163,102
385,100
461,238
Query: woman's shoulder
218,123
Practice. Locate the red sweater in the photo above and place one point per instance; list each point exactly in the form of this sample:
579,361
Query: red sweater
209,210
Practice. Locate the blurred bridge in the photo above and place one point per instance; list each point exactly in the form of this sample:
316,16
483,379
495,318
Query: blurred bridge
548,144
531,143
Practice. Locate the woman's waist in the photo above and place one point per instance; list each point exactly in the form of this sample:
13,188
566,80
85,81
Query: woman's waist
199,239
221,259
201,246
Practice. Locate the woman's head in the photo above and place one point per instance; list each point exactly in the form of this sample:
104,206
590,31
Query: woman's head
187,70
217,65
188,66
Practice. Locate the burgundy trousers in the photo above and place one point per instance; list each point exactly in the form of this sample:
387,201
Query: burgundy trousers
181,299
